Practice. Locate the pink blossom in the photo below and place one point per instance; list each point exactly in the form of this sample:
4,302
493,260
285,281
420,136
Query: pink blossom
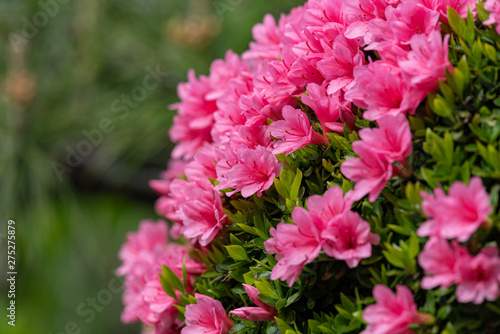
295,245
143,255
358,13
295,132
229,116
320,12
479,277
142,245
202,167
460,6
349,238
391,139
207,316
279,90
263,312
393,313
250,136
427,61
339,62
493,7
267,41
192,125
326,107
222,71
441,261
457,215
370,171
411,19
330,204
160,305
201,213
381,90
248,171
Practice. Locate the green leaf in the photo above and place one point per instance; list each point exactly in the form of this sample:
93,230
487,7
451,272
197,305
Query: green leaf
249,278
339,142
282,325
266,289
414,247
166,287
234,240
237,253
347,304
287,174
294,191
172,278
281,189
459,26
184,274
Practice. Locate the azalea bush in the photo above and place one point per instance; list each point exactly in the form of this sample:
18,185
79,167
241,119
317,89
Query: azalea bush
340,176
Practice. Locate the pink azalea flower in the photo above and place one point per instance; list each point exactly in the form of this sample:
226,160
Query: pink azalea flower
295,132
326,107
192,125
202,166
458,215
460,6
410,19
493,7
207,316
249,171
229,116
392,138
331,204
359,13
441,261
370,171
263,312
201,213
339,62
349,238
143,255
160,305
222,71
295,245
142,245
387,94
427,61
479,277
393,313
267,41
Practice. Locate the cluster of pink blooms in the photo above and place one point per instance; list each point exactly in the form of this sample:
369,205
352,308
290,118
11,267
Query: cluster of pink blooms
493,6
329,225
457,216
317,63
378,150
392,313
143,255
231,123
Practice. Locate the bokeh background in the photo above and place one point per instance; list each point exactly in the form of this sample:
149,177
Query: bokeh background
71,69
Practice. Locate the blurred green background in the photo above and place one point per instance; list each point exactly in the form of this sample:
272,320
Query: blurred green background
67,69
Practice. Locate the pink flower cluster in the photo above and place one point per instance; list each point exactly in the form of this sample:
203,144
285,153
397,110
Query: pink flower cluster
493,6
378,150
329,225
477,277
231,123
263,312
393,313
143,255
207,316
457,216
